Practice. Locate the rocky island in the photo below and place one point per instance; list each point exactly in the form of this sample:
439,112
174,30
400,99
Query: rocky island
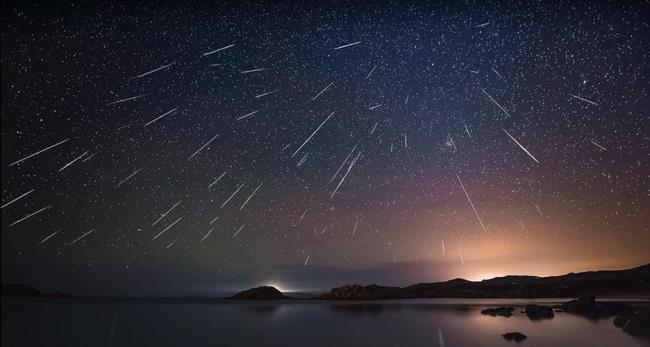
260,293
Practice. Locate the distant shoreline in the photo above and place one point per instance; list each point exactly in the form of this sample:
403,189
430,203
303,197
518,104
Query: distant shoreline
641,300
621,285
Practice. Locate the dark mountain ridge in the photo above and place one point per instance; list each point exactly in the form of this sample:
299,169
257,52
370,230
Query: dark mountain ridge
634,281
614,282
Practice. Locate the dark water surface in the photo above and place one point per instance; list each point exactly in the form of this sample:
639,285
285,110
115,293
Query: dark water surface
424,322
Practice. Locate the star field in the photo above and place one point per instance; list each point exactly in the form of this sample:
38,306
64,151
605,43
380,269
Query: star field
190,143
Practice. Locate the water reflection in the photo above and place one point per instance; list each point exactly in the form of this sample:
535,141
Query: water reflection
263,309
293,323
363,309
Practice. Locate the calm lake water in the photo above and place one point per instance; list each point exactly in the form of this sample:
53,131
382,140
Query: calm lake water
424,322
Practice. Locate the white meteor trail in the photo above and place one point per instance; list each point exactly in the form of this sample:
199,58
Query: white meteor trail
166,213
47,238
128,177
374,127
125,100
497,72
583,99
249,197
218,179
248,115
343,163
82,236
207,234
302,216
348,45
219,49
171,244
321,92
167,228
312,135
374,107
16,199
597,145
443,248
471,203
238,230
73,161
460,253
523,226
302,160
346,174
252,70
467,130
265,94
88,158
520,146
307,260
354,231
39,152
482,25
496,103
30,215
213,220
199,150
155,70
371,71
156,119
233,195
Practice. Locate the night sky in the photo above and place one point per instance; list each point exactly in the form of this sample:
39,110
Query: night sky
199,147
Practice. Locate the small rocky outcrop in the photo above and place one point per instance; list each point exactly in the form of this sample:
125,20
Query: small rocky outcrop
498,311
26,291
537,312
359,292
588,307
620,321
638,324
260,293
19,290
514,336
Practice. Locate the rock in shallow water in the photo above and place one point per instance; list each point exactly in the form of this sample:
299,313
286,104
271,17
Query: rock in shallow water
535,312
588,307
638,324
514,336
620,321
499,311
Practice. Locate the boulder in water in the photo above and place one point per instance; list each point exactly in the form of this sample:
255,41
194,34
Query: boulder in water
638,324
498,311
537,312
514,336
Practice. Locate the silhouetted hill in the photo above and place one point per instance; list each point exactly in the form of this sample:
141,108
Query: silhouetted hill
260,293
599,283
25,291
630,281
